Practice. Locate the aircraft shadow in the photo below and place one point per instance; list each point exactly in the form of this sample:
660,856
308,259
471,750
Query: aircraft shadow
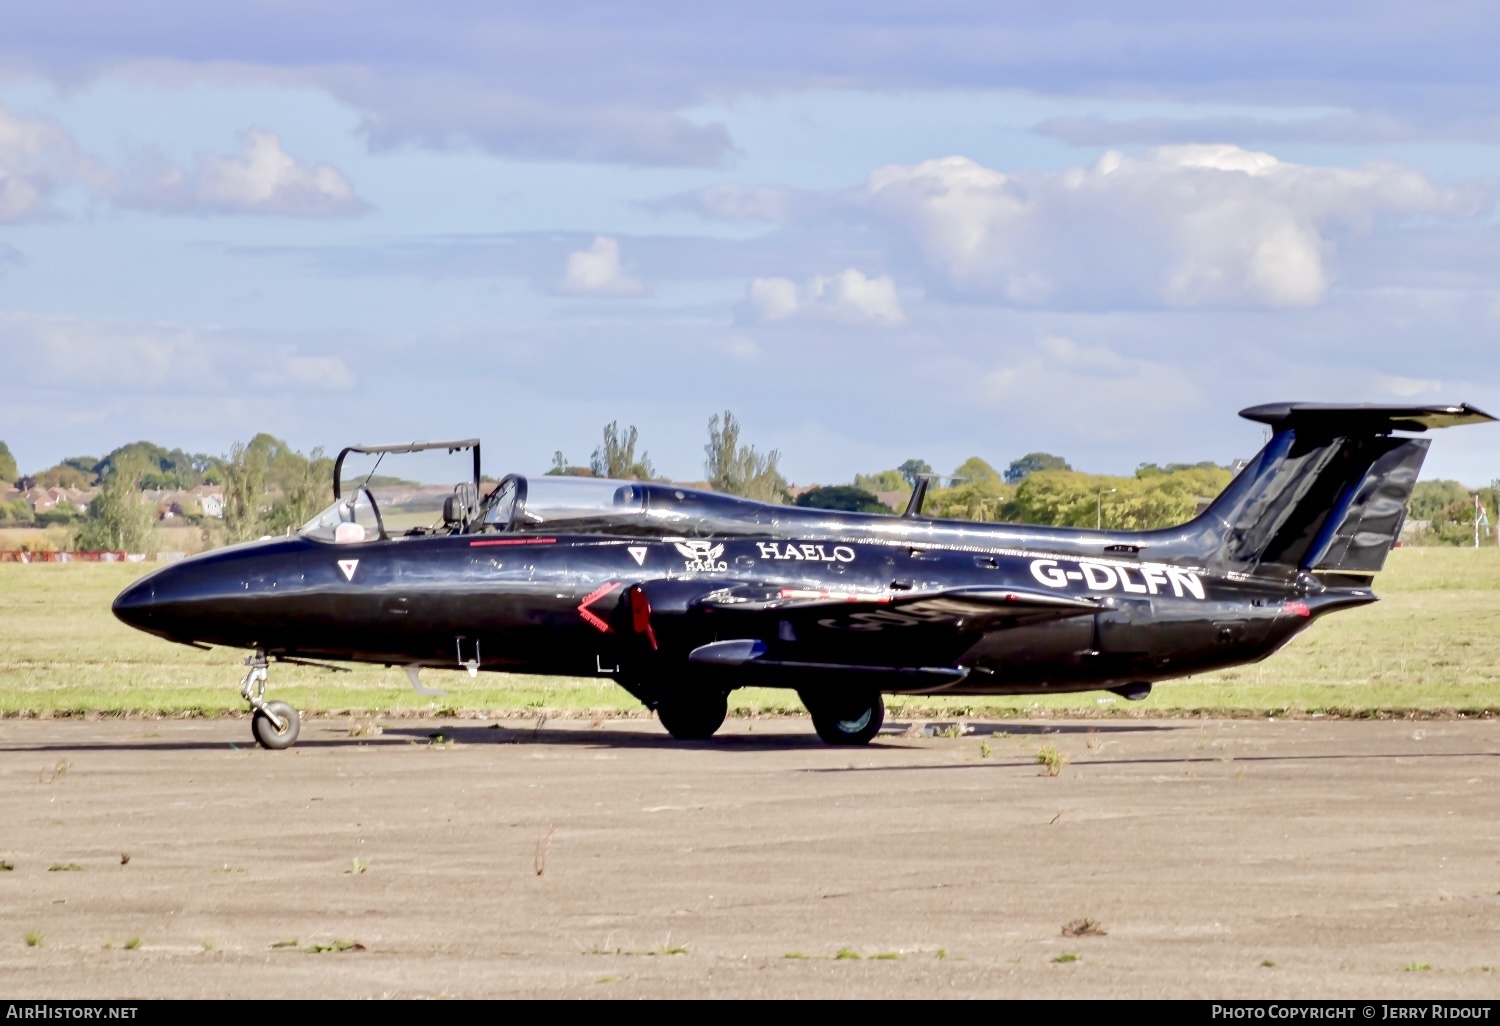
319,736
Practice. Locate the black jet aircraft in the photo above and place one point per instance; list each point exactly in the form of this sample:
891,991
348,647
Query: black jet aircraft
682,595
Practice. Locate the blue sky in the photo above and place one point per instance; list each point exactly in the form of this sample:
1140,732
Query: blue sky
933,230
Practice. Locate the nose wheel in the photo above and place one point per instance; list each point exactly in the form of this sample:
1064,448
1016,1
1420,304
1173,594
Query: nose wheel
274,724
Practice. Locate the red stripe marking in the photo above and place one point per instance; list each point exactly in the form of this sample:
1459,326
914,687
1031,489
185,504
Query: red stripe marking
513,541
589,617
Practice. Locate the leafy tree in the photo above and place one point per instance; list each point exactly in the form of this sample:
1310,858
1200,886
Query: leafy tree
738,469
616,456
8,469
16,511
63,476
1031,463
912,470
270,487
1430,498
974,470
882,481
846,498
167,469
117,518
1153,470
1068,498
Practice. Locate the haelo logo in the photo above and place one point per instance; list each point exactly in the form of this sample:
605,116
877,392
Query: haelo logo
703,556
805,551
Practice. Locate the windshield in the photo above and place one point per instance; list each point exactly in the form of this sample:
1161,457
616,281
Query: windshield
353,518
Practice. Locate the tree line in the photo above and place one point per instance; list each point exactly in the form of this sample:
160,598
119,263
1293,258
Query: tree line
270,488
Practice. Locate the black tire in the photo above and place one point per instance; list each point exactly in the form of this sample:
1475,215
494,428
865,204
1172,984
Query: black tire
846,717
693,716
266,734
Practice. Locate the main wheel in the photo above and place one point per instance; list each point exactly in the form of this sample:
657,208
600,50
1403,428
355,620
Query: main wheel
693,715
264,728
846,717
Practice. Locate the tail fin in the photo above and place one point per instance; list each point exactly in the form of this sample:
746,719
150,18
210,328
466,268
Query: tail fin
1329,490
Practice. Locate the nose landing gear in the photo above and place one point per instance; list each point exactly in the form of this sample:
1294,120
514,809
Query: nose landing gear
275,724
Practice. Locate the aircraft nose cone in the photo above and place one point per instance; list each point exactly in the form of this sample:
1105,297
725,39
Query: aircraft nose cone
133,605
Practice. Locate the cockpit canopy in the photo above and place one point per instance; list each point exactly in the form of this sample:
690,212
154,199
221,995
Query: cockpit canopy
588,503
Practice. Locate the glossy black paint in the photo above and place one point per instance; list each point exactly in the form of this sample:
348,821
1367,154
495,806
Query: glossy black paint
691,589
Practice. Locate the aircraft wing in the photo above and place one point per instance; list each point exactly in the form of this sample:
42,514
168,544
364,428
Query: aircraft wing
973,608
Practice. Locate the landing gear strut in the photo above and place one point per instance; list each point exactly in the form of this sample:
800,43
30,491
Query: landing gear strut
275,724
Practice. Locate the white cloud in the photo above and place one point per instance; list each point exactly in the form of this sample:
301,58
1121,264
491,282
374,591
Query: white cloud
261,178
37,159
596,271
1184,226
847,297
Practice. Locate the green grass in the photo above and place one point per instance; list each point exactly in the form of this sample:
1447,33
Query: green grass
1431,645
33,938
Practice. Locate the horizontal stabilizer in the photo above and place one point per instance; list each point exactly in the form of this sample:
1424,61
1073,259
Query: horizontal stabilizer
1362,418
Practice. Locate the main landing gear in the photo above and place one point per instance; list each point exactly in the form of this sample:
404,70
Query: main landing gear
845,717
693,715
275,724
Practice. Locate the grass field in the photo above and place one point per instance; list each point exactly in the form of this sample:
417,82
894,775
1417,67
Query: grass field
1431,646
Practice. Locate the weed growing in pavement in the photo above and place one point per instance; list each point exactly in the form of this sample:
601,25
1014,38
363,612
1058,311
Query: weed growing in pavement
337,945
33,938
1066,956
132,944
1052,759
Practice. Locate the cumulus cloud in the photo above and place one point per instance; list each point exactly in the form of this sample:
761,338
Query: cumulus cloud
1180,225
261,178
38,158
848,297
596,271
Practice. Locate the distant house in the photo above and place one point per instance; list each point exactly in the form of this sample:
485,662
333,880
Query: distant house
210,500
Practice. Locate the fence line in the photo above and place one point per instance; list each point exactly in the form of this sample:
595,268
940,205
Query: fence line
24,556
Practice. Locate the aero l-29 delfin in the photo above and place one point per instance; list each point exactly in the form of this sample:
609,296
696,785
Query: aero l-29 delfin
681,595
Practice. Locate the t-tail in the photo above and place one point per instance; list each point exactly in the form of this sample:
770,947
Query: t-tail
1328,493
